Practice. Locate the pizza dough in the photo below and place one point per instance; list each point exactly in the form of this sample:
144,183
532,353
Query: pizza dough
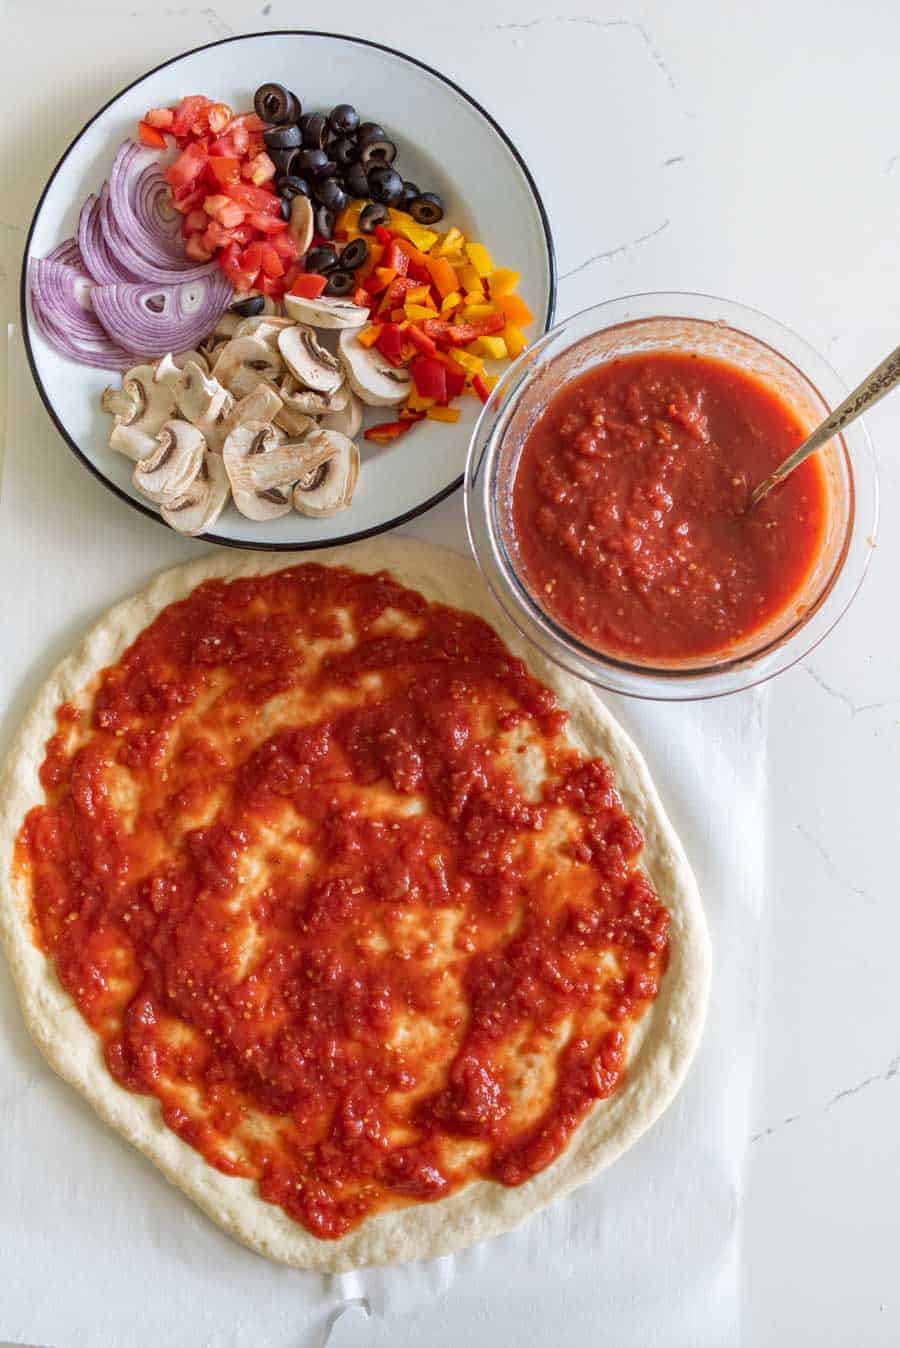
661,1048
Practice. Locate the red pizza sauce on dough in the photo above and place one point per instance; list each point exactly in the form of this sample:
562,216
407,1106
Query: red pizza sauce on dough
630,514
321,870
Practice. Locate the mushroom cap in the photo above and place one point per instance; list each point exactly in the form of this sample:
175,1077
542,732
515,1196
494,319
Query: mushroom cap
308,360
203,402
154,403
325,312
202,504
329,484
167,473
263,404
264,327
347,420
370,376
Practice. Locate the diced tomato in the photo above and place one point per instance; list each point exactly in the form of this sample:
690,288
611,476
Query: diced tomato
270,285
187,167
223,147
150,136
196,220
293,272
225,169
190,113
161,118
254,198
267,224
284,246
430,378
251,258
231,262
259,169
243,235
250,122
456,382
390,341
460,334
216,236
309,285
218,116
419,340
239,137
272,264
187,201
195,249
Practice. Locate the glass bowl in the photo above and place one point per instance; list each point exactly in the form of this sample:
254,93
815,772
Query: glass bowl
711,327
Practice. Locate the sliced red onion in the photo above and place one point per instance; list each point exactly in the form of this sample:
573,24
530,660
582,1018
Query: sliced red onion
89,344
154,319
68,253
64,293
138,219
99,260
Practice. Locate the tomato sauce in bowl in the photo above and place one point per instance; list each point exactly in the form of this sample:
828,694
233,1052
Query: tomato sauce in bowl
629,516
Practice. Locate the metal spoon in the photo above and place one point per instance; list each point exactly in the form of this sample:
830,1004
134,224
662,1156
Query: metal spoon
882,379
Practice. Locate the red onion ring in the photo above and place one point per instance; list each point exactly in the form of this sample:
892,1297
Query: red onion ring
154,319
95,349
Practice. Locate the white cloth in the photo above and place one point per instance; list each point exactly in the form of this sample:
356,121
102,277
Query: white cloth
98,1251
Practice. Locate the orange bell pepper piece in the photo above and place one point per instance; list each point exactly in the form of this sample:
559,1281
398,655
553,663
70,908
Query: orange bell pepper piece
442,274
515,309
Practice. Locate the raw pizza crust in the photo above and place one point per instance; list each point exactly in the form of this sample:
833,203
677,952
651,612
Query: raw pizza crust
662,1045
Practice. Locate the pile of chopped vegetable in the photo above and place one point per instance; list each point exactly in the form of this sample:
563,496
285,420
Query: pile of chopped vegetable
438,307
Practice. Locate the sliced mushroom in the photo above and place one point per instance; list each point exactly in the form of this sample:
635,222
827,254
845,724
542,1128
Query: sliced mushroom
227,324
203,402
201,505
263,404
149,404
167,474
325,312
245,362
301,226
297,424
262,469
131,442
119,404
264,327
371,377
169,367
347,420
308,360
328,487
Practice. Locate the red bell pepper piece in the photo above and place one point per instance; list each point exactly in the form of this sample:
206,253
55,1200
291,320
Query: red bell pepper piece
150,136
386,431
309,285
430,378
481,388
456,382
396,259
460,334
390,342
384,236
423,343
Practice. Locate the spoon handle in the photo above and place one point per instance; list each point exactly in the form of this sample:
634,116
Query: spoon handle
882,379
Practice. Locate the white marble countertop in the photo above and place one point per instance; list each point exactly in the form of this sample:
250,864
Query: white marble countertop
745,151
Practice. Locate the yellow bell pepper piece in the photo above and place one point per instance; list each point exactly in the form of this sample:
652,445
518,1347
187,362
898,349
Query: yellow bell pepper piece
515,340
467,361
417,313
473,311
369,336
470,280
349,216
398,218
475,297
492,347
480,258
450,414
503,281
451,242
450,301
416,403
423,238
418,295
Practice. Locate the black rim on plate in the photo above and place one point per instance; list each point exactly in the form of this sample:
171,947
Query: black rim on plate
23,287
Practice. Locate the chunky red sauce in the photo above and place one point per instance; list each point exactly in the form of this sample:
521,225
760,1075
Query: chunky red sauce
291,874
629,507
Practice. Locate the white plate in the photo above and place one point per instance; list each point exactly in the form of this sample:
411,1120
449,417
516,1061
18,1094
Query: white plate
446,143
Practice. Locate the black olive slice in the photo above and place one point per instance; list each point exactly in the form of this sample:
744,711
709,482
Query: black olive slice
314,129
282,137
385,184
427,209
274,103
354,255
377,152
324,221
321,258
343,119
340,282
249,307
328,192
